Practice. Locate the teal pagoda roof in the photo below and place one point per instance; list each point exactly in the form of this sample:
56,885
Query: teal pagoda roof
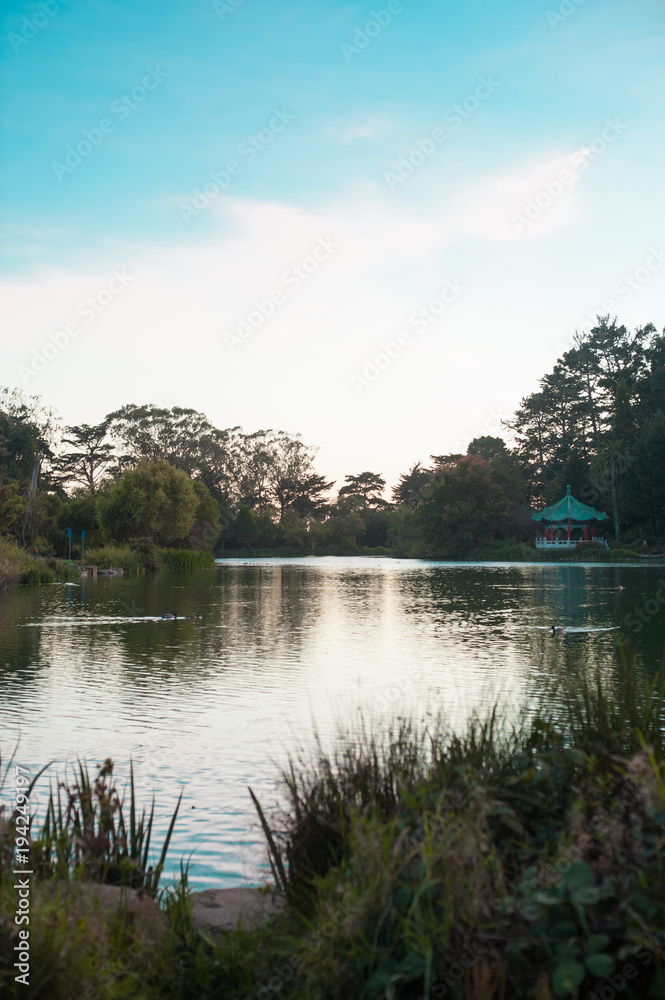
569,509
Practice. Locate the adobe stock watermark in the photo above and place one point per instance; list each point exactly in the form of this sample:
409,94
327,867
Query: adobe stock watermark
494,426
224,7
31,26
364,34
581,160
292,279
88,309
565,10
121,107
247,151
420,320
22,866
422,149
615,983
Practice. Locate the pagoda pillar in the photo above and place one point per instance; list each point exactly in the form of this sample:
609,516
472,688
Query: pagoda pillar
586,531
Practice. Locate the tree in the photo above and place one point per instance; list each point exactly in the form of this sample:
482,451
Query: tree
154,433
488,447
293,484
80,514
207,521
246,527
12,508
27,434
650,389
644,489
153,500
410,487
91,459
463,508
368,485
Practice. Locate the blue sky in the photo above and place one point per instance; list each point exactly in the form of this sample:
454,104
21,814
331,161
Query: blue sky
162,95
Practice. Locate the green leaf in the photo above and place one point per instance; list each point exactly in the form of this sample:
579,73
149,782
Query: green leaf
577,876
597,942
585,896
567,977
600,965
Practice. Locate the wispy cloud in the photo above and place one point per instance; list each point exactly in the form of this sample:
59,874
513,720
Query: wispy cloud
373,128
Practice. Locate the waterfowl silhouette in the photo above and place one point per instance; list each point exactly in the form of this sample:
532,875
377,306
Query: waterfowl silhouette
558,629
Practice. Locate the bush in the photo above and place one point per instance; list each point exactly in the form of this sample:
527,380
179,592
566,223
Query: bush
19,566
624,554
147,552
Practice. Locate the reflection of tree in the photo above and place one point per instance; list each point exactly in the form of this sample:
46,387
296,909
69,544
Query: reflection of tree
268,610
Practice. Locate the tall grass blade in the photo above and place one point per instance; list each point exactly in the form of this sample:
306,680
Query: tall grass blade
273,851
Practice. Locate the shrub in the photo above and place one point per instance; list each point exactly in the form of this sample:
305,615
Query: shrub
147,552
18,566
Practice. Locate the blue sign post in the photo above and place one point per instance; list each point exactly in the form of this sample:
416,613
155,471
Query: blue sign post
69,540
82,546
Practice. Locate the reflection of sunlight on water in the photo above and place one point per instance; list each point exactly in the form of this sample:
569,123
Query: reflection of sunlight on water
286,649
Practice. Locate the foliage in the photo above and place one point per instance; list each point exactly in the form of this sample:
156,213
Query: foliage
80,514
12,508
153,500
87,834
89,459
207,519
147,553
368,485
411,485
246,527
463,507
522,857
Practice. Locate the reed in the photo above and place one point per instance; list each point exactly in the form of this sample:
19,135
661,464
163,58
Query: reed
186,560
90,832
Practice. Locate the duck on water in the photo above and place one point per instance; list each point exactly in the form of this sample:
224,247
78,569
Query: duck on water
195,618
558,629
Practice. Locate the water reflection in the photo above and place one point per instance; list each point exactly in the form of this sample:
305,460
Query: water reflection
284,648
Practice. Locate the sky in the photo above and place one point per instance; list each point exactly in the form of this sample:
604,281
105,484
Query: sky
376,225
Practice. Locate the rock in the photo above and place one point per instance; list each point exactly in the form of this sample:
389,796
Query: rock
218,910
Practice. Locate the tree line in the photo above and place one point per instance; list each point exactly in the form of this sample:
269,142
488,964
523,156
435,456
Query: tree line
596,423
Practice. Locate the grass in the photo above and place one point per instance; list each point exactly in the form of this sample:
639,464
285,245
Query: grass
504,863
114,556
18,566
185,560
134,560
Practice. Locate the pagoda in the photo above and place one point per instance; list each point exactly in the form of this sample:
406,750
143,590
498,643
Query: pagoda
566,523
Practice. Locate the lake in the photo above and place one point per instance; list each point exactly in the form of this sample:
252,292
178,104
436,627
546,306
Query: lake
286,649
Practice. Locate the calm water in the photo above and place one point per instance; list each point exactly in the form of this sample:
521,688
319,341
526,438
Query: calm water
287,648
